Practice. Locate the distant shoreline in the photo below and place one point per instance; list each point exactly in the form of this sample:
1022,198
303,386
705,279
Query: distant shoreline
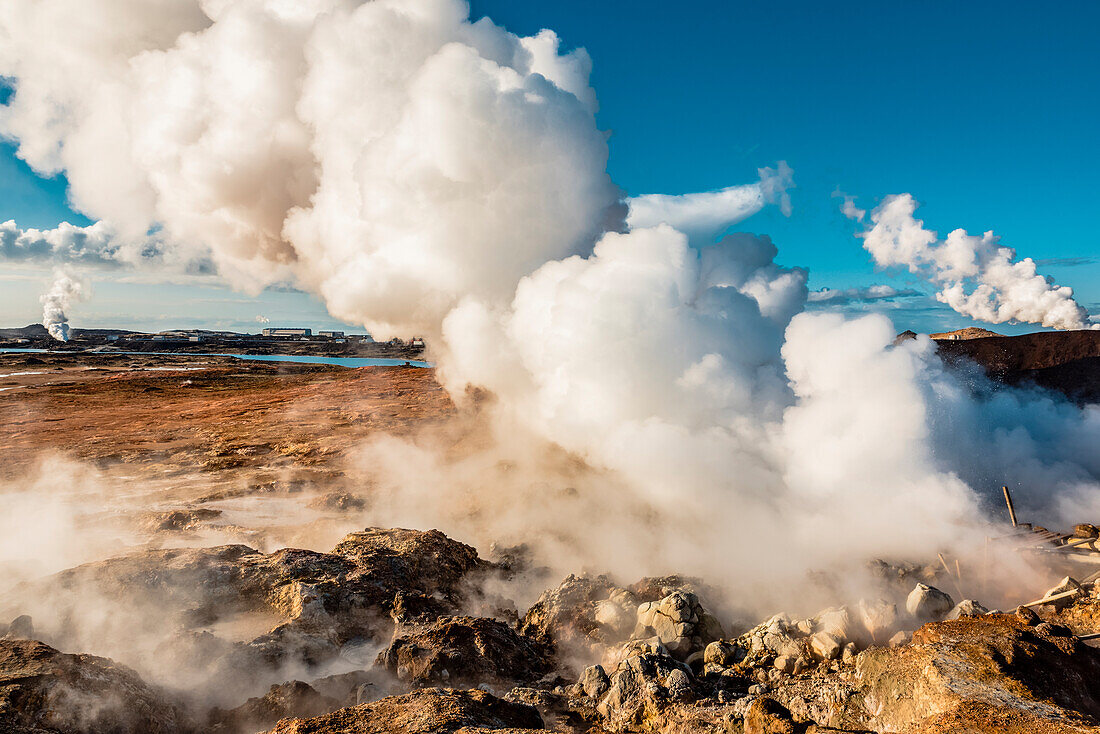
207,342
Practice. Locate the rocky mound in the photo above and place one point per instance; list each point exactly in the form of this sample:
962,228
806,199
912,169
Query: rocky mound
1065,361
987,673
43,690
466,651
293,699
427,711
970,332
314,608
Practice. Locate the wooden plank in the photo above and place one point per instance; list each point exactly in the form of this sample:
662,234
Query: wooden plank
1049,599
1011,509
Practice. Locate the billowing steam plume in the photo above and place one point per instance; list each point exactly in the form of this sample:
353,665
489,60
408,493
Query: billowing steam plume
56,301
977,276
661,403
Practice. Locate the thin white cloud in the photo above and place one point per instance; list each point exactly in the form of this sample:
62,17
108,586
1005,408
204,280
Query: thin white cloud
96,245
836,297
849,208
705,215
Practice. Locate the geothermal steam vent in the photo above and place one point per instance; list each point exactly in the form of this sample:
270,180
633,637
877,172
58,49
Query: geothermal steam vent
403,405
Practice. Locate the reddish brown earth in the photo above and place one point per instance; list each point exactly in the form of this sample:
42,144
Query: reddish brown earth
203,413
163,449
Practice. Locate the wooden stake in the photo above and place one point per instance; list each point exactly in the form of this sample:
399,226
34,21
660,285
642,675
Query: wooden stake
951,576
1011,509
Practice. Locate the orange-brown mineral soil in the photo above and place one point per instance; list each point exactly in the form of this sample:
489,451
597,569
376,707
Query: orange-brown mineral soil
204,414
163,449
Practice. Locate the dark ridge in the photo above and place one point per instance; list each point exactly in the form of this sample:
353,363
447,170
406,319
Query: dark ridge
1064,361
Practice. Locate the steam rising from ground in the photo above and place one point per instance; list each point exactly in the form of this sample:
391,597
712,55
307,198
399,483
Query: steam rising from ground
978,277
64,291
659,402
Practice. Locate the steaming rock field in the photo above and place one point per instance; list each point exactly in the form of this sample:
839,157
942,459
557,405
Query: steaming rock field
198,549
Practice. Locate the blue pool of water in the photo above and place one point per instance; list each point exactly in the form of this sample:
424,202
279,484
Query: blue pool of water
299,358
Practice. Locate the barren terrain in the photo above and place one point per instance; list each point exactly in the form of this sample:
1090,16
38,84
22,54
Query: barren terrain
209,546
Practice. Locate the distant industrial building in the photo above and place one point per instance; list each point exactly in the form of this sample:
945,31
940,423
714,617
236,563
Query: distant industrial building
331,334
288,332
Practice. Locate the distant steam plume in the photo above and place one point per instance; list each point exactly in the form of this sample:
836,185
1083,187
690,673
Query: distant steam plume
64,291
978,277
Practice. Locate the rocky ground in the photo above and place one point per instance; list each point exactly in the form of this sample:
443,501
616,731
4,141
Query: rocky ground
380,635
206,614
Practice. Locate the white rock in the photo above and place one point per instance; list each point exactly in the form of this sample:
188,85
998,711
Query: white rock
967,608
836,621
618,620
723,654
679,621
928,603
879,617
789,664
826,645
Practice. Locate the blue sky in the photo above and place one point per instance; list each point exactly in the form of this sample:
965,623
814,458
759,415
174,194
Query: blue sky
985,112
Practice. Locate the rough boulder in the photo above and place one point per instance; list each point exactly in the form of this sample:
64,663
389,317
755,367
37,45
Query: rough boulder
679,622
465,651
427,711
43,690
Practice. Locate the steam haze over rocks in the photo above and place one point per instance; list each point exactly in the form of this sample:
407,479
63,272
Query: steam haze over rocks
606,461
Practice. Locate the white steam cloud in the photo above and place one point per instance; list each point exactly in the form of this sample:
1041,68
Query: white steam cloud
65,290
392,156
661,403
978,277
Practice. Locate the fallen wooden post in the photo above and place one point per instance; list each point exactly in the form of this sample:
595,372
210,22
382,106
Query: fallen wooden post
1055,597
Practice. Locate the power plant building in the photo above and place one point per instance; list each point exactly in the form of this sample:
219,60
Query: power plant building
288,332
